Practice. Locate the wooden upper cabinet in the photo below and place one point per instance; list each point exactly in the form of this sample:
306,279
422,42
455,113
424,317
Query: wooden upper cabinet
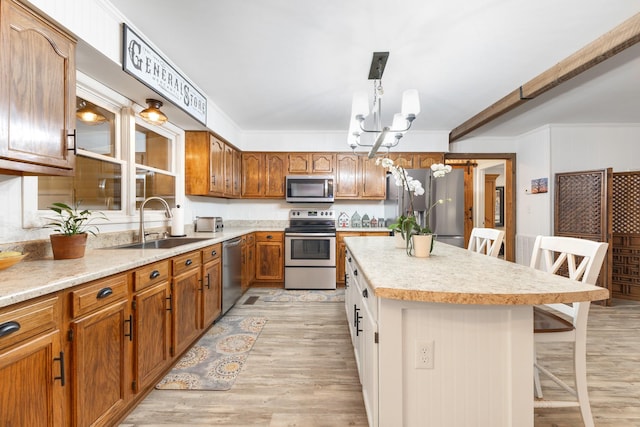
425,160
212,167
402,159
311,163
252,175
358,177
276,165
37,94
347,172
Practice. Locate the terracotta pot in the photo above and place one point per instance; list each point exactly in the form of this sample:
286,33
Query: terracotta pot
68,247
422,245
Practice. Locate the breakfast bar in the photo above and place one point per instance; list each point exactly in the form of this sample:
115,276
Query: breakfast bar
448,339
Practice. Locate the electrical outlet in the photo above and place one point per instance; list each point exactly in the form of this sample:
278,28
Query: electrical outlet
424,354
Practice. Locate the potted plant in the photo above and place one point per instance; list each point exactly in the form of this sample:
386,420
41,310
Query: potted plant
72,226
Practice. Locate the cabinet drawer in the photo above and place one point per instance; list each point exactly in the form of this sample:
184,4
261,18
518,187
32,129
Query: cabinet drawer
211,252
27,321
98,294
269,236
185,262
150,275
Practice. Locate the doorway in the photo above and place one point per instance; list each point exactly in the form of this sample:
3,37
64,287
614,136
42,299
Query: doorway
508,196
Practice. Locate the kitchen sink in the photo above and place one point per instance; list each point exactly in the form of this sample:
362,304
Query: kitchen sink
170,242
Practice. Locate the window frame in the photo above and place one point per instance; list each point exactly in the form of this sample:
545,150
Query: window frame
127,117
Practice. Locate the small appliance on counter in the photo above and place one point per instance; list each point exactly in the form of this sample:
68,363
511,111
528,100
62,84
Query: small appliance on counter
211,224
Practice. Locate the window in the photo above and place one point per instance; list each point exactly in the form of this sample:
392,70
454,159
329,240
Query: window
121,161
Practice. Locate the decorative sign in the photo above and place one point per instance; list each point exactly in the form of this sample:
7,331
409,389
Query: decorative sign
142,62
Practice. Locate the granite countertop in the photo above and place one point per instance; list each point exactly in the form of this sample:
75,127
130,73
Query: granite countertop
31,279
457,276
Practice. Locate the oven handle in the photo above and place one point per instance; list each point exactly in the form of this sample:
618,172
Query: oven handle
310,235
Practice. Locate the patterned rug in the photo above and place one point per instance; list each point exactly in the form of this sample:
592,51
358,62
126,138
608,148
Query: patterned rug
288,295
215,361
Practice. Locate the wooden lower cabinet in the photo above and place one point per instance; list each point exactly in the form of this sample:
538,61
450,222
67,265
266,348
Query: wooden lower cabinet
269,256
151,324
100,338
185,301
211,288
31,365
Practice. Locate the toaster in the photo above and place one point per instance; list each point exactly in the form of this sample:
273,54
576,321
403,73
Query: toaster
208,223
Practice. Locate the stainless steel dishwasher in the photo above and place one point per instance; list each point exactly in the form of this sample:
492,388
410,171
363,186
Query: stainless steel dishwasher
231,273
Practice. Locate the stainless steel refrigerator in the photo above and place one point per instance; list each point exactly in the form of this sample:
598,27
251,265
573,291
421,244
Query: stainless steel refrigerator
446,220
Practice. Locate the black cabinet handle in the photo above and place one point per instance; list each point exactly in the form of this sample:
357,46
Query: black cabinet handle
104,292
130,322
269,236
208,281
154,274
170,299
349,259
355,272
214,253
358,318
355,315
8,328
365,293
188,262
61,360
75,142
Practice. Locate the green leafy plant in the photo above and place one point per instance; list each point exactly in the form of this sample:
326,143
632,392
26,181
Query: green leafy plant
70,221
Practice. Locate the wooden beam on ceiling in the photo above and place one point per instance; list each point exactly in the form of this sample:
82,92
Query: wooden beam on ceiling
604,47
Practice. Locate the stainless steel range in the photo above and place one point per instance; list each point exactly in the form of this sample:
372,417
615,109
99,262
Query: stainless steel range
310,249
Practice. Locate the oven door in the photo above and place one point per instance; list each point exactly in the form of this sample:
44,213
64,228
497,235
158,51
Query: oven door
310,250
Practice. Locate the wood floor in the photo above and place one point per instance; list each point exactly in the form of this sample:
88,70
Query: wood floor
301,372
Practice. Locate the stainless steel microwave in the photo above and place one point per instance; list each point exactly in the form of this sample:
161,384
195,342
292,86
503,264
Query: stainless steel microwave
309,189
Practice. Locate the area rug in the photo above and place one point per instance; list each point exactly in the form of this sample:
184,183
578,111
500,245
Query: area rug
215,361
291,295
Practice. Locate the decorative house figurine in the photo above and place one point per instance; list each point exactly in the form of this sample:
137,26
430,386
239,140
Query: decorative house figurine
343,220
374,222
366,222
356,222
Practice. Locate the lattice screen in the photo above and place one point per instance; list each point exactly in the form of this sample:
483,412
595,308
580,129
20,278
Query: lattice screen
626,235
581,211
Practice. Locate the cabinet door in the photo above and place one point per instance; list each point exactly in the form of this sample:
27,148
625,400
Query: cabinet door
228,170
237,173
347,172
251,260
185,299
299,163
323,163
211,292
402,159
269,256
31,392
37,93
252,175
373,184
276,165
216,166
369,364
100,364
425,160
152,335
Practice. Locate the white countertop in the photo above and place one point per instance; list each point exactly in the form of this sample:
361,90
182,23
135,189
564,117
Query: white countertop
31,279
458,276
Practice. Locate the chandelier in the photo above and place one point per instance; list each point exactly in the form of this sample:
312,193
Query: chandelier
386,137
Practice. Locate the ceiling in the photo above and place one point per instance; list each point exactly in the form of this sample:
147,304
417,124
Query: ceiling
293,65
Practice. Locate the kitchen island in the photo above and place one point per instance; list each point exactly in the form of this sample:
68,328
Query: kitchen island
446,340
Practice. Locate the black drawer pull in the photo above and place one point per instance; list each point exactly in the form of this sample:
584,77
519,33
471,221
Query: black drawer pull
269,236
154,274
214,253
355,272
8,328
188,262
104,292
365,293
61,360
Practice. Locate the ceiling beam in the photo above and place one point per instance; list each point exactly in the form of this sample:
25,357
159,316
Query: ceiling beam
618,39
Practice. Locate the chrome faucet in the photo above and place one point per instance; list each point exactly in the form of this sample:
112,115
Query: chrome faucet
167,213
